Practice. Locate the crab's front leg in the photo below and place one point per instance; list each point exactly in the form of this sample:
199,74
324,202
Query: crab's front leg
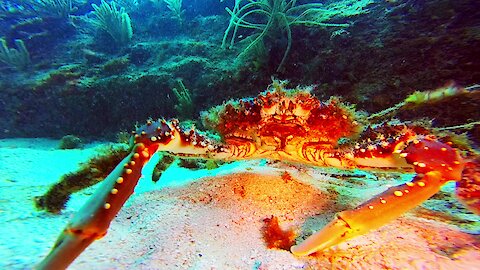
435,164
93,219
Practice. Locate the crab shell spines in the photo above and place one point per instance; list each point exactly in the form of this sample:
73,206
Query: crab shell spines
158,131
283,113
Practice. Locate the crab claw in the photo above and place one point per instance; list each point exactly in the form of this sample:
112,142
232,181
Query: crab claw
435,163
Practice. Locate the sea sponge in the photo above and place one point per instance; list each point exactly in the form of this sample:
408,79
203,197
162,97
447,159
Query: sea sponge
276,237
70,142
90,173
162,166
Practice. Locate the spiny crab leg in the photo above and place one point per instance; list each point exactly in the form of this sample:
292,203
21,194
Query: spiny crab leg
91,222
93,219
435,164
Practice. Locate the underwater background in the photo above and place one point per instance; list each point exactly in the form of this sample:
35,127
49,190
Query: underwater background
81,80
77,76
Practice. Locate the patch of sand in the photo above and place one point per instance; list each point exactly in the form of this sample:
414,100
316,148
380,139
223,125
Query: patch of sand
214,219
216,223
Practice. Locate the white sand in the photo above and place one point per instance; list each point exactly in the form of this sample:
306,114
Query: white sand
213,219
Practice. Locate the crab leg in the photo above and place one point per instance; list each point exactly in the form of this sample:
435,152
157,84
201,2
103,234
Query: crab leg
93,219
91,222
372,214
435,163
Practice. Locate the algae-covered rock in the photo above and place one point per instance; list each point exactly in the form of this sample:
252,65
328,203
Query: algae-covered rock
70,142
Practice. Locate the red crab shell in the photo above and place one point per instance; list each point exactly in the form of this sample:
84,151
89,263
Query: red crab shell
282,114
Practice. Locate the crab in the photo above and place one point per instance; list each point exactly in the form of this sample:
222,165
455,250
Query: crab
280,124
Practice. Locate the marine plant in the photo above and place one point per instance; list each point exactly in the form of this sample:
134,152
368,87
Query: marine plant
114,21
185,106
49,8
271,17
175,6
18,58
129,5
420,98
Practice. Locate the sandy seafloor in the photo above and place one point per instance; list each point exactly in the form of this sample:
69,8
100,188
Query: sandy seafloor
212,219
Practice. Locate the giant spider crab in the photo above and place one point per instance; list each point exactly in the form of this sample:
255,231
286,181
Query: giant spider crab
288,125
